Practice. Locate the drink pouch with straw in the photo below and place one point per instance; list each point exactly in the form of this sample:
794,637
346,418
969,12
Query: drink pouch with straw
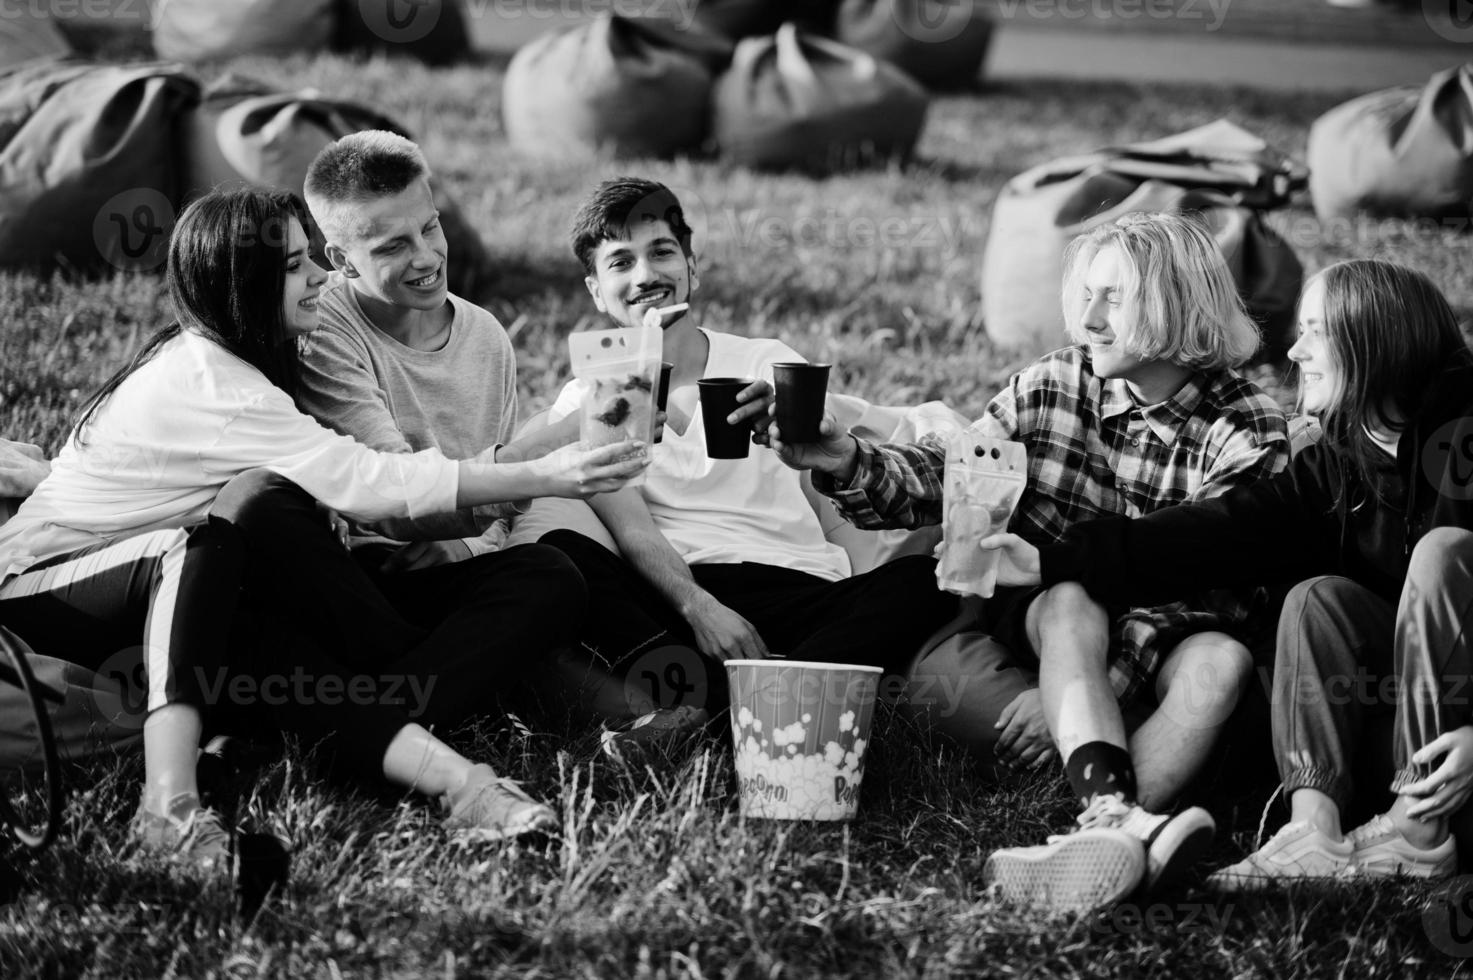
983,482
622,369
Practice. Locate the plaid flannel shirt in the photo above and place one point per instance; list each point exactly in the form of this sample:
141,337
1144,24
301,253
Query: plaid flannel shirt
1093,452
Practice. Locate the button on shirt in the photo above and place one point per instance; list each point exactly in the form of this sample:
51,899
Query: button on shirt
1094,452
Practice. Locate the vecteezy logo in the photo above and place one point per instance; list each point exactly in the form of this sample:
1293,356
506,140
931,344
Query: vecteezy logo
400,21
1447,459
131,231
1451,20
666,677
932,21
1448,920
120,694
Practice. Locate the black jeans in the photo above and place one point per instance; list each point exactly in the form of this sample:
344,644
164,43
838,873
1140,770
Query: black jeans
347,658
879,618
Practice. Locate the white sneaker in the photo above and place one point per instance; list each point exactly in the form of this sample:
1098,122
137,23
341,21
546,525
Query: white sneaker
1298,852
1077,872
1174,842
1381,851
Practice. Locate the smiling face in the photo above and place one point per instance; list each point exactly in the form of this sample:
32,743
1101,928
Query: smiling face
646,271
396,254
1106,317
302,281
1320,375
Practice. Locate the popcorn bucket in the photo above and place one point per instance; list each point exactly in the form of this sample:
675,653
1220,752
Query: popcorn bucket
800,730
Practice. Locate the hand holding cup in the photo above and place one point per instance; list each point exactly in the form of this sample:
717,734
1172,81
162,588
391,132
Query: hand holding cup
834,452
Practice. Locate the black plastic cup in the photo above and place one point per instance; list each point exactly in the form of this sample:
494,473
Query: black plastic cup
800,390
662,393
718,400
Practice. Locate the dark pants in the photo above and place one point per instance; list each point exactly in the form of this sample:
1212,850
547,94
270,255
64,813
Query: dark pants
1346,658
878,619
349,662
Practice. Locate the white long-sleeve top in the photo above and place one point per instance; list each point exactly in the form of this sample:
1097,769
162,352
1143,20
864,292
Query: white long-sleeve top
177,430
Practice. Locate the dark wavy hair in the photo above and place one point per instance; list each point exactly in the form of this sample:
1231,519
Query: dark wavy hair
226,278
616,206
1393,334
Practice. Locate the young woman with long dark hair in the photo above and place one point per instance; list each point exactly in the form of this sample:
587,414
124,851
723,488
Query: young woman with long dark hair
120,544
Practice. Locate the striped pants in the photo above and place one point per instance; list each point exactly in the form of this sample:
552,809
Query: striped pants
153,610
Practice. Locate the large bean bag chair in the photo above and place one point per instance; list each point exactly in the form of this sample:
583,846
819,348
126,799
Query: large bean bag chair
1221,172
431,30
90,712
941,43
804,102
244,134
737,19
634,88
1403,152
87,163
201,30
25,35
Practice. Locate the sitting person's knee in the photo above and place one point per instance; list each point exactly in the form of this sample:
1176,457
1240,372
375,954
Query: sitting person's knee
1322,593
1069,606
252,495
1210,673
1438,552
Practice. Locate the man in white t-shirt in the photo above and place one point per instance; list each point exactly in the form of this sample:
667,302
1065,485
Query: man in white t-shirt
727,556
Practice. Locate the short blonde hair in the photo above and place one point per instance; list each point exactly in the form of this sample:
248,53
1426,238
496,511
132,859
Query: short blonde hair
357,168
1176,290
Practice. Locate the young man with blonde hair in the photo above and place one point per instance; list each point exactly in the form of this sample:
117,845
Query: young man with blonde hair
1143,413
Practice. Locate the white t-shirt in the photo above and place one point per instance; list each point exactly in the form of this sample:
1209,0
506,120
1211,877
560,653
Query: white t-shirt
181,427
719,511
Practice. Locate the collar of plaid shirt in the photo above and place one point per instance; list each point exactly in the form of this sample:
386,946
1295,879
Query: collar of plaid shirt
1165,418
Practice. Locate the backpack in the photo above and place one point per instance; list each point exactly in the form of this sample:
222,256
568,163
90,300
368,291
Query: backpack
1224,173
89,713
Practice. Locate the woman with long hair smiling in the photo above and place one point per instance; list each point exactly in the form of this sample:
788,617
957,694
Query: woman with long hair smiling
1373,526
124,541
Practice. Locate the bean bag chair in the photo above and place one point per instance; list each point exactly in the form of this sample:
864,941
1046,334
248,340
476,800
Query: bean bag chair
940,43
431,30
24,36
202,30
1219,171
244,134
1403,152
93,712
635,88
87,163
736,19
797,101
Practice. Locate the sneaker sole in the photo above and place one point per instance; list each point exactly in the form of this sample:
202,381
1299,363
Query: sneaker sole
1084,871
1182,842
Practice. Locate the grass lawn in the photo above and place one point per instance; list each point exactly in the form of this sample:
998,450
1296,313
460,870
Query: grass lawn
656,875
